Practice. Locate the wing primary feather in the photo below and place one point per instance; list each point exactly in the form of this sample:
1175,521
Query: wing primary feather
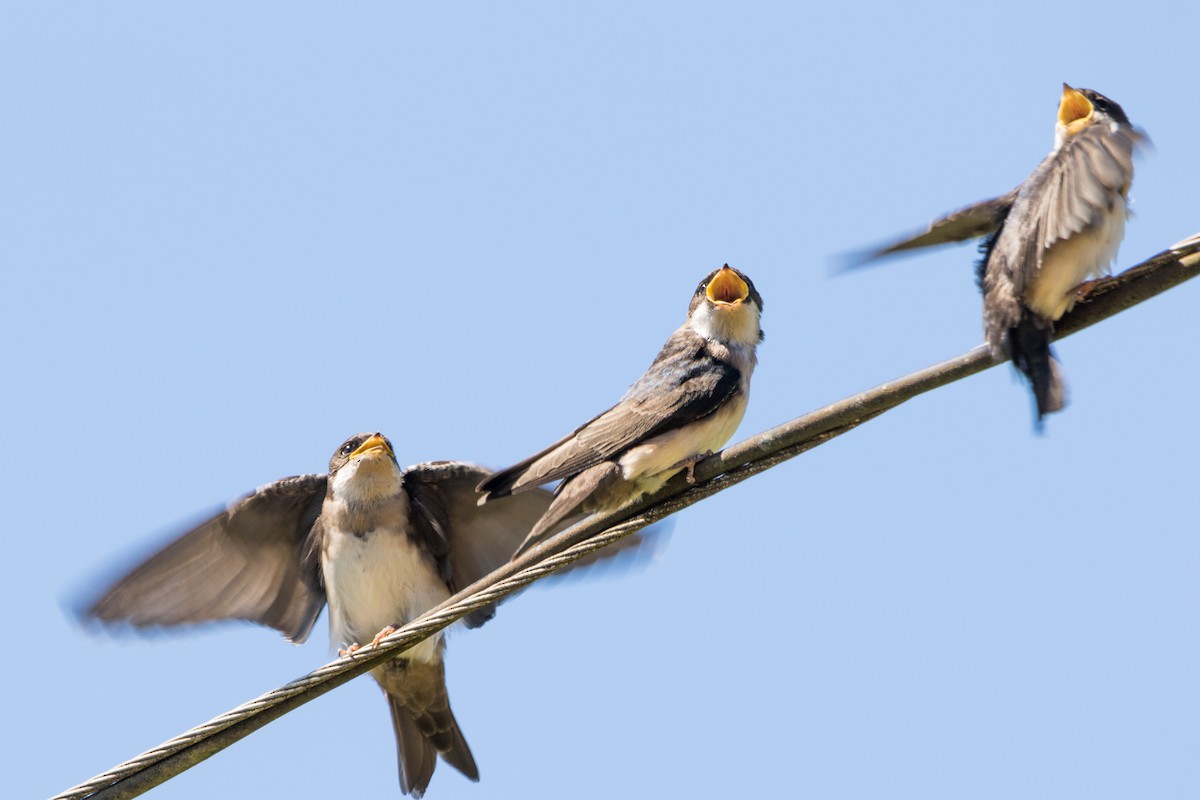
972,222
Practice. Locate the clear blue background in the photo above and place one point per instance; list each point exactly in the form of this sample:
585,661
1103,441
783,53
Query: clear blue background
234,234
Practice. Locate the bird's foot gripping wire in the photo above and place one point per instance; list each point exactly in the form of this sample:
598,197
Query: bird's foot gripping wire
383,634
1083,291
379,637
691,465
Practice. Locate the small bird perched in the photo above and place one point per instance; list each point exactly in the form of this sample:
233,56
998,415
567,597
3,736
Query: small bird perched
1060,226
380,544
687,404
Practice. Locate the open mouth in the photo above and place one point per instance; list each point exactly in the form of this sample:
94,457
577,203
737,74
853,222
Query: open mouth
727,287
1074,107
374,444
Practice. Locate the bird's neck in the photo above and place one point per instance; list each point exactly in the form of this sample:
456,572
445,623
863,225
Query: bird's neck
367,483
730,326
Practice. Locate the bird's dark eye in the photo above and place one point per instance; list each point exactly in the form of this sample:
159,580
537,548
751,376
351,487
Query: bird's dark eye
347,448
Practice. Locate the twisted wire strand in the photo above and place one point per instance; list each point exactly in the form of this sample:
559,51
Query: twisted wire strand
1100,299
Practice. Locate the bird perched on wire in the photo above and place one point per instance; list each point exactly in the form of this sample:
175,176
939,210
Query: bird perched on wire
687,404
378,543
1060,226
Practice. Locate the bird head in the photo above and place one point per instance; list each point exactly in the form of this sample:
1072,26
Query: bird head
1079,109
726,307
364,467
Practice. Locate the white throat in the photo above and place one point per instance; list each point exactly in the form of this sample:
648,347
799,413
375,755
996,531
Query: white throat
367,479
731,325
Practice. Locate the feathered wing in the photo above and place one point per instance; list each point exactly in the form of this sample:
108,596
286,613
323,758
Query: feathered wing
683,384
1096,167
972,222
243,563
476,539
480,539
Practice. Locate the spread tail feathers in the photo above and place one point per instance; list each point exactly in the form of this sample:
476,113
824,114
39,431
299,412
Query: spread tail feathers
1031,353
423,722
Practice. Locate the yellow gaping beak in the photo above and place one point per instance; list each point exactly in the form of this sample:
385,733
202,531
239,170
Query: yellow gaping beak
1074,110
727,287
374,443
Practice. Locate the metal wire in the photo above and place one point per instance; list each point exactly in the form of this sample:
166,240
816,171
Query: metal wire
1099,300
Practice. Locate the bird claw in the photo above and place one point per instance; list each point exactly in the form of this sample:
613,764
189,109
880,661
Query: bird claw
379,637
1084,290
691,465
388,631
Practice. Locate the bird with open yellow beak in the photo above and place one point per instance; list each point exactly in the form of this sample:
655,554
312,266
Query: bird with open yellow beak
380,544
686,405
1062,225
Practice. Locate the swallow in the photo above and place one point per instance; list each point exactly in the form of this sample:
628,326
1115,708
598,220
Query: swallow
378,543
686,405
1060,226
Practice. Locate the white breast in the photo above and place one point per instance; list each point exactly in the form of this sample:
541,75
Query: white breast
1070,262
654,461
376,580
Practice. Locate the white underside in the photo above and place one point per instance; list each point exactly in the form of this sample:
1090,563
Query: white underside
377,580
1070,262
654,461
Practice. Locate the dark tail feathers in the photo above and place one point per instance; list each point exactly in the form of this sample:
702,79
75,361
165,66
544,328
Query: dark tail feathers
424,724
1029,344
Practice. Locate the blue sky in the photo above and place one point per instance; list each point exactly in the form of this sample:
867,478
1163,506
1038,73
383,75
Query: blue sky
233,236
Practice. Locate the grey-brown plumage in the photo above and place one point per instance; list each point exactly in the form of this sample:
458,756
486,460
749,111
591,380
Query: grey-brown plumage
243,563
379,544
1063,224
688,403
423,722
